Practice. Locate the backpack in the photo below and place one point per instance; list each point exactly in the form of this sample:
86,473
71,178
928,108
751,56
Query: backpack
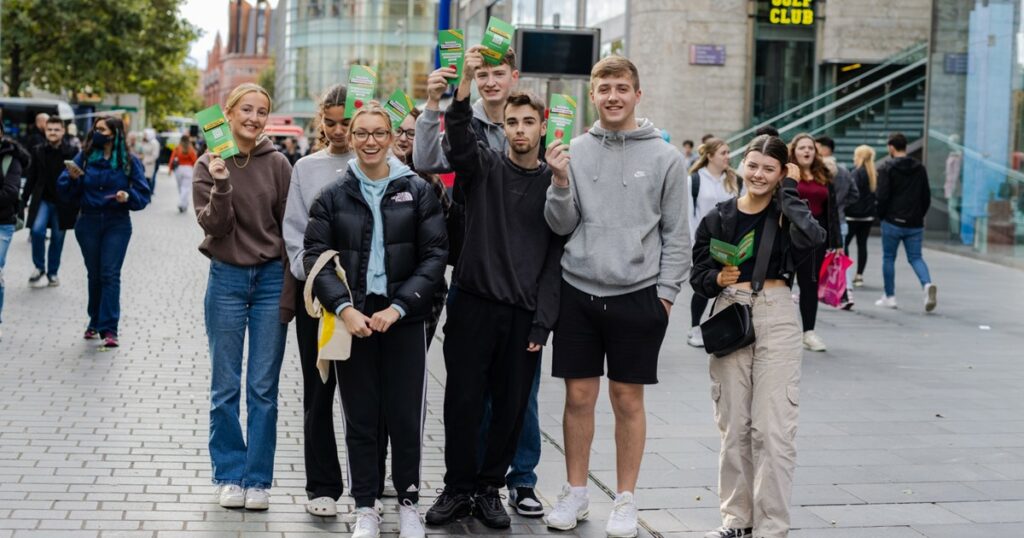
694,189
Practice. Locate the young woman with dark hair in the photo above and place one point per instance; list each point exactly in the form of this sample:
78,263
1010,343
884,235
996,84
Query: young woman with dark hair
106,182
817,189
755,389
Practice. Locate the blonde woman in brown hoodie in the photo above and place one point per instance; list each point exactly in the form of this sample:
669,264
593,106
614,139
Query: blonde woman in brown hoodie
240,202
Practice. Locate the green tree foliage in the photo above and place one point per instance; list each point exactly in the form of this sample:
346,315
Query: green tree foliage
267,79
106,46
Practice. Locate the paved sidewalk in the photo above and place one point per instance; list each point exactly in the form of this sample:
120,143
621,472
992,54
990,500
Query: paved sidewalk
911,424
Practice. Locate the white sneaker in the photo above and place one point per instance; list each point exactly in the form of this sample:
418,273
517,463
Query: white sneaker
813,342
570,509
322,506
887,301
695,339
622,522
367,523
410,524
231,496
930,297
257,499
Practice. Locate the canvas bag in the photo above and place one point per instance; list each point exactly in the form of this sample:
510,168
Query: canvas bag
334,342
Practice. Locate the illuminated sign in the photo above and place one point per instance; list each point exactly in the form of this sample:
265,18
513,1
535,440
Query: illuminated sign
791,12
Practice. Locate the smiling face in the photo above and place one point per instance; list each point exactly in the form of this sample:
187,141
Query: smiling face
403,141
615,98
762,174
335,129
496,82
804,151
249,116
523,128
370,136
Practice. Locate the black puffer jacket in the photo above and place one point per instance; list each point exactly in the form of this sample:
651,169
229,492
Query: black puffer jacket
10,183
415,243
805,234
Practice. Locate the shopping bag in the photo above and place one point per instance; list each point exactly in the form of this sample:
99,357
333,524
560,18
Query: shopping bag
334,342
832,278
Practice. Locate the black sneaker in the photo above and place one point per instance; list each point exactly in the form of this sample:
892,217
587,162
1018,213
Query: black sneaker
726,532
449,507
525,501
488,509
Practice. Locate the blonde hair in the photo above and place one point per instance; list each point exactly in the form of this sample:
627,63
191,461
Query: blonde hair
371,108
865,156
705,151
615,66
241,91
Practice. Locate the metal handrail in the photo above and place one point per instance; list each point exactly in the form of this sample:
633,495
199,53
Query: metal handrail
874,102
842,101
890,61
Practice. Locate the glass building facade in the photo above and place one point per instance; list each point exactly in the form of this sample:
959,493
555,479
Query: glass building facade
975,143
318,40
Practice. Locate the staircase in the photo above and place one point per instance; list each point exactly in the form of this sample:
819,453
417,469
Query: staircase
873,126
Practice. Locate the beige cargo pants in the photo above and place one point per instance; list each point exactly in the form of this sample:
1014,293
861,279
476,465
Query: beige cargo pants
757,396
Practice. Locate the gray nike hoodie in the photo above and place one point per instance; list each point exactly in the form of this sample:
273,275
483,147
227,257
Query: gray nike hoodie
625,213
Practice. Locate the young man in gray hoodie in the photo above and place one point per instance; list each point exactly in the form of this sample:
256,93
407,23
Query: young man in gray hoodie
494,84
628,252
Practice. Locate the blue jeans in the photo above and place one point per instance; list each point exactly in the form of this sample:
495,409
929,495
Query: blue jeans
47,218
103,238
522,474
6,232
912,239
240,299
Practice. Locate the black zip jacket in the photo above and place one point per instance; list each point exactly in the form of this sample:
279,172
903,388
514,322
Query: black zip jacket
41,183
864,207
10,184
903,193
804,235
509,255
415,244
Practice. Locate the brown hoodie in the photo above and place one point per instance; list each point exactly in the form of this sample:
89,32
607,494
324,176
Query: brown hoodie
242,217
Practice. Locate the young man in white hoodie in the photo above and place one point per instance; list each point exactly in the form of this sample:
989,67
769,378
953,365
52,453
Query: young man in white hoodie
624,209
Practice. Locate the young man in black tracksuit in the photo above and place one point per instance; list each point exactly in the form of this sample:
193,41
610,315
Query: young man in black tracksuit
508,277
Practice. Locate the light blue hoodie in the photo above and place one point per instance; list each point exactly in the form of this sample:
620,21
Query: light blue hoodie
373,192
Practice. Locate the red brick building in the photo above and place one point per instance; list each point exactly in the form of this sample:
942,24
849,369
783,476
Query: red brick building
244,56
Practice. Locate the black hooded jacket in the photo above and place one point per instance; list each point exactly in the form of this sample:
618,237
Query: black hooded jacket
10,188
41,182
903,193
804,234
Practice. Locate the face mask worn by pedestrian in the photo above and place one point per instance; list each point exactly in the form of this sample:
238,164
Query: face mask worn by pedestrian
334,342
733,328
99,139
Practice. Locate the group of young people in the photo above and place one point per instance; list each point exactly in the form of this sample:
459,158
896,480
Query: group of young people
590,241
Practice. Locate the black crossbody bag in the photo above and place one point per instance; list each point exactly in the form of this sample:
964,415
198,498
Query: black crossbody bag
733,327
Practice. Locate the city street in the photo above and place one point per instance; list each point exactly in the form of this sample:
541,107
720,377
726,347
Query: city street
911,425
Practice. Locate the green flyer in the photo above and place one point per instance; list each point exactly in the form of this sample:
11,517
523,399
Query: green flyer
362,86
451,45
217,132
734,255
561,118
398,107
497,40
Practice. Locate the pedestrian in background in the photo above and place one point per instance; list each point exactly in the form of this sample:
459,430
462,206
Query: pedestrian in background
240,203
904,198
755,389
861,215
45,212
310,176
14,159
846,194
689,157
388,228
150,155
106,182
818,190
183,161
711,181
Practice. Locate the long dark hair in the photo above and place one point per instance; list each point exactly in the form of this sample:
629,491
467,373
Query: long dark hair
334,96
818,169
769,146
119,156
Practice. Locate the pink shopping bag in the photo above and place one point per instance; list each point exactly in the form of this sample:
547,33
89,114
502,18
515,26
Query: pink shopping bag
832,278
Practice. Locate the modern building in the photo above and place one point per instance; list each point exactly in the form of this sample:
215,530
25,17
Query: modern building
245,55
321,39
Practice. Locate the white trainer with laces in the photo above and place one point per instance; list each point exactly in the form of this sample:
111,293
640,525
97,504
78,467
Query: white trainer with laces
367,523
813,342
231,496
622,522
410,524
257,499
695,338
930,297
570,509
887,301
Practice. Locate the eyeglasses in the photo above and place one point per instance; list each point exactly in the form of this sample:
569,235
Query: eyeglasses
379,136
409,133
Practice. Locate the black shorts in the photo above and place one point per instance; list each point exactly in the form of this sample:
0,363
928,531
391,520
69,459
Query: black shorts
628,329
